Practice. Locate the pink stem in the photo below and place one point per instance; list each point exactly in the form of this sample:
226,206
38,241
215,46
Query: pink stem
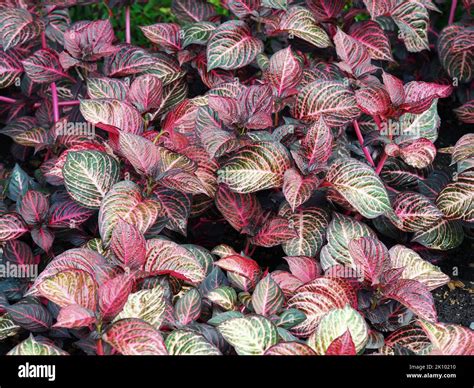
60,103
128,35
7,99
361,142
54,93
452,13
381,163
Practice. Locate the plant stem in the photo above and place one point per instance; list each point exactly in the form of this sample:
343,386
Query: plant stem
54,94
381,163
128,35
452,13
276,119
361,142
7,100
100,348
60,103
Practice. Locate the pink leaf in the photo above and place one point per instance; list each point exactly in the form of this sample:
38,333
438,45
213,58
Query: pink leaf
74,316
113,295
33,207
128,245
305,268
371,256
342,346
240,265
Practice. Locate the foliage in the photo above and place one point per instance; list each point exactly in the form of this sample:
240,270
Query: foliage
308,128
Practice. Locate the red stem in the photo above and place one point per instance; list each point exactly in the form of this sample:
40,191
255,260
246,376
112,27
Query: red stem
60,103
7,100
128,35
452,13
361,142
100,348
54,94
381,163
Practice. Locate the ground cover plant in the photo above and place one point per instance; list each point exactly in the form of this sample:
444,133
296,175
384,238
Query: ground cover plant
238,177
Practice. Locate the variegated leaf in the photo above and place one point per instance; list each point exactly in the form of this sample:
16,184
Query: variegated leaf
465,113
113,112
458,61
267,298
32,347
373,37
463,149
12,226
44,67
197,33
191,11
419,153
251,335
167,257
342,230
232,46
414,295
240,265
149,305
284,71
146,92
175,206
125,201
343,345
371,257
18,26
410,337
240,210
415,268
379,7
188,343
413,20
299,21
72,286
10,69
255,167
165,35
360,186
330,100
290,349
135,337
275,231
317,298
414,212
188,307
128,245
449,339
74,316
442,235
224,297
113,295
334,324
89,175
456,200
317,144
310,225
325,10
298,189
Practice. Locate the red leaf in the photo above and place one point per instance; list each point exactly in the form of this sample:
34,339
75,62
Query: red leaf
74,316
33,207
240,210
274,232
240,265
413,295
342,346
305,268
113,295
128,245
12,226
371,256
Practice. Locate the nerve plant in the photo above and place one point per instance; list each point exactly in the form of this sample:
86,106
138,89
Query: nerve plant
308,127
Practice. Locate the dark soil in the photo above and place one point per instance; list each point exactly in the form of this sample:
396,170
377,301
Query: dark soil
455,306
